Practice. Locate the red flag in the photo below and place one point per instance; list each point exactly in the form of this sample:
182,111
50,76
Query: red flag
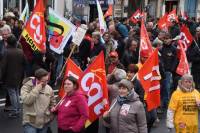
71,70
162,23
109,12
183,66
185,37
145,43
167,19
93,83
137,16
33,37
172,17
149,77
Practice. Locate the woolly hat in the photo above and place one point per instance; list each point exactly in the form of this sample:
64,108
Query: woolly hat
126,83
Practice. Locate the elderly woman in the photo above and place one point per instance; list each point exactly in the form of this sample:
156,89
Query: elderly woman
72,110
182,112
127,113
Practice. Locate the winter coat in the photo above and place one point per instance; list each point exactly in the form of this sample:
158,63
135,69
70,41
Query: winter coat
129,58
13,66
128,118
37,103
193,54
73,112
169,57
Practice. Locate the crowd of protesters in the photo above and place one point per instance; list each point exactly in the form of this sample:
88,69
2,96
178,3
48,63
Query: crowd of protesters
121,49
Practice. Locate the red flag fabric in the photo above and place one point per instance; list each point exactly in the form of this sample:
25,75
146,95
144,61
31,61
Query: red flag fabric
183,66
162,23
184,15
137,16
149,77
33,36
71,70
185,37
145,43
167,19
172,17
109,12
93,83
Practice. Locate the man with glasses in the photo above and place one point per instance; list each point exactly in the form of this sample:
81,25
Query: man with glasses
38,98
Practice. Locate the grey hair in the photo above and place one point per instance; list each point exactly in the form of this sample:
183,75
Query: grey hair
5,28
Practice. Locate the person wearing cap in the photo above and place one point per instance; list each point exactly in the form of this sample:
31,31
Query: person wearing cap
113,62
37,99
182,113
127,114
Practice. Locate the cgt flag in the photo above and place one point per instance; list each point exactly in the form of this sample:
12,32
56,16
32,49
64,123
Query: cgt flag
145,43
93,83
71,70
149,76
183,66
137,16
33,37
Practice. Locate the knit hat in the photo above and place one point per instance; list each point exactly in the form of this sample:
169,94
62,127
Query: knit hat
126,83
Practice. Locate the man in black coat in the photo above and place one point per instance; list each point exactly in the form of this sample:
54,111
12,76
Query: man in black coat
13,65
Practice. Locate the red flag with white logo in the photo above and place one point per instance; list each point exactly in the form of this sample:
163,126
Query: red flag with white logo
71,70
183,66
149,76
93,83
145,43
172,17
33,37
162,23
185,37
137,16
165,21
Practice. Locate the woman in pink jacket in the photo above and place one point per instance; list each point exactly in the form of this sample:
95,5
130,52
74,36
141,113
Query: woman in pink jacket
72,110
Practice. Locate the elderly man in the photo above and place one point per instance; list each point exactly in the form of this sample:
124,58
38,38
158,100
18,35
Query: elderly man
182,113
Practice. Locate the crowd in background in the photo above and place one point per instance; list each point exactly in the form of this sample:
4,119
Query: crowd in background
121,50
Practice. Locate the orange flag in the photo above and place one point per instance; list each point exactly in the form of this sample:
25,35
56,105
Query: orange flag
145,43
93,83
109,12
183,66
149,76
71,70
33,36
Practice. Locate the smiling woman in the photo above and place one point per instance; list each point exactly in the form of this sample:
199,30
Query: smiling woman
72,111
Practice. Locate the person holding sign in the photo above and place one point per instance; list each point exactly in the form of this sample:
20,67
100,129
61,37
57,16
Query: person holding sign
72,110
126,114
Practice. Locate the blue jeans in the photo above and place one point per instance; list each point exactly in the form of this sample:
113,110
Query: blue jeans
14,98
60,59
30,129
166,89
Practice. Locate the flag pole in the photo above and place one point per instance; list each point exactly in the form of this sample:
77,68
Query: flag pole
62,70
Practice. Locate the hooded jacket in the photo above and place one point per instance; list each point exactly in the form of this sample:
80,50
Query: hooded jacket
128,118
37,103
73,112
